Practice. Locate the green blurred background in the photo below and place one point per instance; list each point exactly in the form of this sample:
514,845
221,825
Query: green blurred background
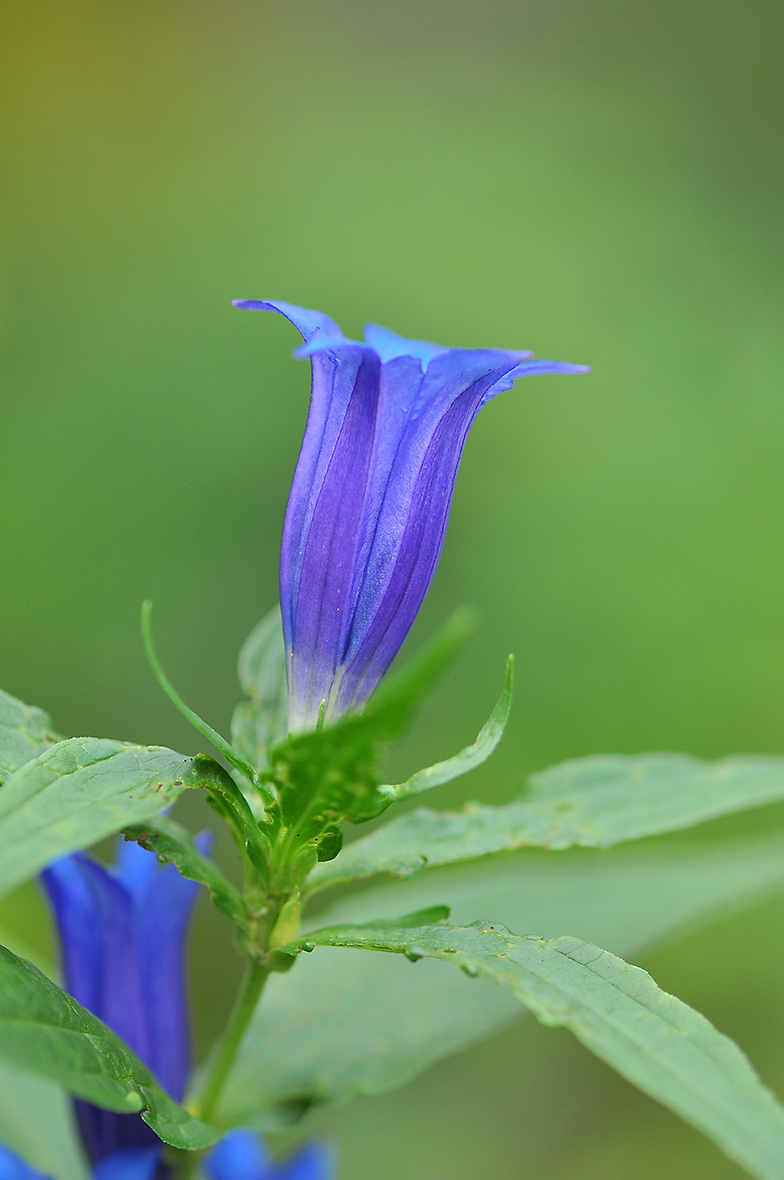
598,181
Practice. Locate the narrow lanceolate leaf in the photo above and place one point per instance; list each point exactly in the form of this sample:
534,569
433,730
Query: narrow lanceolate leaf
83,789
263,718
593,802
610,797
469,758
171,841
315,1038
25,732
44,1030
653,1039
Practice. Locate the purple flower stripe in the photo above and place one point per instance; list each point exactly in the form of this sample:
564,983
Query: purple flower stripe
370,499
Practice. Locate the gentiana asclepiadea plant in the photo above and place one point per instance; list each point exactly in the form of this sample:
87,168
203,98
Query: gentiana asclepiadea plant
363,532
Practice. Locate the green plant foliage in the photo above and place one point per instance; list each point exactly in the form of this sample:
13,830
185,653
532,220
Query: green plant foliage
594,802
650,1037
261,721
330,774
611,797
25,732
83,789
35,1122
343,1023
171,841
232,756
469,758
44,1030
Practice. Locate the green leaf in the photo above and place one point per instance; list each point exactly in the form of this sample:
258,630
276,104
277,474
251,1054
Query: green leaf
83,789
25,732
171,841
607,798
593,802
44,1030
651,1038
36,1123
469,758
263,719
344,1023
328,775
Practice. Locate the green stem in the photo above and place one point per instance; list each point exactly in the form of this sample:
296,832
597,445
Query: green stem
255,977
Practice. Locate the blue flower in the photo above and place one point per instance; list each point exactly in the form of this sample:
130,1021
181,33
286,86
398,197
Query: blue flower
130,1164
369,503
240,1155
122,937
122,934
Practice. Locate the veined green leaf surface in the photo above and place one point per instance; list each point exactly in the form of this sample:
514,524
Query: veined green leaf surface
262,719
468,758
171,841
44,1030
593,802
653,1039
25,732
83,789
36,1122
344,1023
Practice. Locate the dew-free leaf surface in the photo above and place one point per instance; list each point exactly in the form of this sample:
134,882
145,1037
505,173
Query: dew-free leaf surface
653,1039
593,802
344,1023
25,732
45,1031
83,789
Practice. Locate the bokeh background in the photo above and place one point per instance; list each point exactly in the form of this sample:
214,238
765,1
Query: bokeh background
601,182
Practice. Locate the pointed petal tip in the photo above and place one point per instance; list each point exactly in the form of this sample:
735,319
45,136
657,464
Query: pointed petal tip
308,323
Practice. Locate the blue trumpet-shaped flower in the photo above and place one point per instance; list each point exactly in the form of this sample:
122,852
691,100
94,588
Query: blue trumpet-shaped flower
122,934
122,937
370,498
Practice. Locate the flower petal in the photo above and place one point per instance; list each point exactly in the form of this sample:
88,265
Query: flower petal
389,345
529,368
314,1162
128,1164
240,1155
307,322
322,523
407,510
13,1167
